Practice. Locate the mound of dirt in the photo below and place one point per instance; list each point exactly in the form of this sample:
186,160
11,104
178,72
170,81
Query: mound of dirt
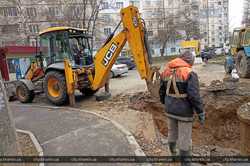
221,101
143,101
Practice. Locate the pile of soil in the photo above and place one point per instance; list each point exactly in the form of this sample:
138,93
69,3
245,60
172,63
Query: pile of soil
221,101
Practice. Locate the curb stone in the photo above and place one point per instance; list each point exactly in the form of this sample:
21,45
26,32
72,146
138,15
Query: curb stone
35,143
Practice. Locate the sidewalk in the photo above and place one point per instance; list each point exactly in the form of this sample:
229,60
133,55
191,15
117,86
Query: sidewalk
64,132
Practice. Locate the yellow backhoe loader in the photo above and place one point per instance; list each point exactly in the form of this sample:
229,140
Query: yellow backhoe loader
65,62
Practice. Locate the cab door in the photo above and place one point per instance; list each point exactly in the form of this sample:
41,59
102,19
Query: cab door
235,42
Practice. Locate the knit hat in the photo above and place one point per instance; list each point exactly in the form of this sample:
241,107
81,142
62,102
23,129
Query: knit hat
188,57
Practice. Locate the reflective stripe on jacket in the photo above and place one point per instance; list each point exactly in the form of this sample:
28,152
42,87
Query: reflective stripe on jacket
179,90
176,72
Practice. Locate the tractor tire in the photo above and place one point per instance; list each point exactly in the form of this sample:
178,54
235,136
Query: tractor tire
243,65
88,92
24,95
55,88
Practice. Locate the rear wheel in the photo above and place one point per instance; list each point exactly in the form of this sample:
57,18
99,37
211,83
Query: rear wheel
243,65
55,87
24,95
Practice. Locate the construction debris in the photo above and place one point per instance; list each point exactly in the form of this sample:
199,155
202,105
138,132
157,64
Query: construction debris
221,101
145,117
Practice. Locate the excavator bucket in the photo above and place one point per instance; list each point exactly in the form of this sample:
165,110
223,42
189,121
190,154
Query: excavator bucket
136,35
153,84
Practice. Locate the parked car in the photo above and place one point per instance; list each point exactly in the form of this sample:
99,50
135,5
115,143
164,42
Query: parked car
126,60
118,69
219,51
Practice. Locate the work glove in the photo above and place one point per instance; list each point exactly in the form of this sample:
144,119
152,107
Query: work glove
202,118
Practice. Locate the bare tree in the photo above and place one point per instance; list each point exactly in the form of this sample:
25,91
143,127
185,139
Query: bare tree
82,12
166,33
171,23
190,21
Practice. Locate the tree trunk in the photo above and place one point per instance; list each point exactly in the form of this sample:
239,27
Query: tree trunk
163,48
8,145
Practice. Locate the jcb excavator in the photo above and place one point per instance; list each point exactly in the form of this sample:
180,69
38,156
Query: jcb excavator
65,62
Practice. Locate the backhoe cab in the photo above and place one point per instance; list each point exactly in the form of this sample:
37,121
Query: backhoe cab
65,62
239,52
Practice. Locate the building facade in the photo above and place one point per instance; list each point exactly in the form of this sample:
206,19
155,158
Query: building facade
109,18
168,22
207,20
10,27
246,15
214,23
21,21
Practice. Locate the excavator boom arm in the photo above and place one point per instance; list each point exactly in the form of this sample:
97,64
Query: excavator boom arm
133,32
105,58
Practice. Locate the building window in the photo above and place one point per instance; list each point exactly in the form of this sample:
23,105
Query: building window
10,28
150,33
31,12
54,24
54,11
173,49
185,1
107,31
135,3
33,28
219,3
220,28
150,24
105,5
33,42
76,11
77,24
8,11
119,5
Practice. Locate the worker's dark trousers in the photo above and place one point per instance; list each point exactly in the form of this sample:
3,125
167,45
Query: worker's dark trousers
181,132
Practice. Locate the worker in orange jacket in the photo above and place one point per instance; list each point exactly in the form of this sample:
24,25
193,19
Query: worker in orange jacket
179,91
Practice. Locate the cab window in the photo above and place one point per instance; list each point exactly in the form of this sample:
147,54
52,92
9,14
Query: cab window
247,38
55,47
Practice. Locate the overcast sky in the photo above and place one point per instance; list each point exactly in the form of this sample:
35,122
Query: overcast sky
235,13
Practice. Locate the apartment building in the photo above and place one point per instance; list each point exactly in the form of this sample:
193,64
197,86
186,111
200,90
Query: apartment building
10,27
246,15
174,17
109,18
20,21
214,23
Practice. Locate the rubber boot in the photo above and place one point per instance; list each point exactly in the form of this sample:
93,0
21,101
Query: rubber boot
172,148
185,154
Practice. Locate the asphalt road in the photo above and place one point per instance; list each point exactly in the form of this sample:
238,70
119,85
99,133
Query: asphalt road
66,132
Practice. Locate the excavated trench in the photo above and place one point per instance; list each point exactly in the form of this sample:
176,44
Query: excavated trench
221,101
